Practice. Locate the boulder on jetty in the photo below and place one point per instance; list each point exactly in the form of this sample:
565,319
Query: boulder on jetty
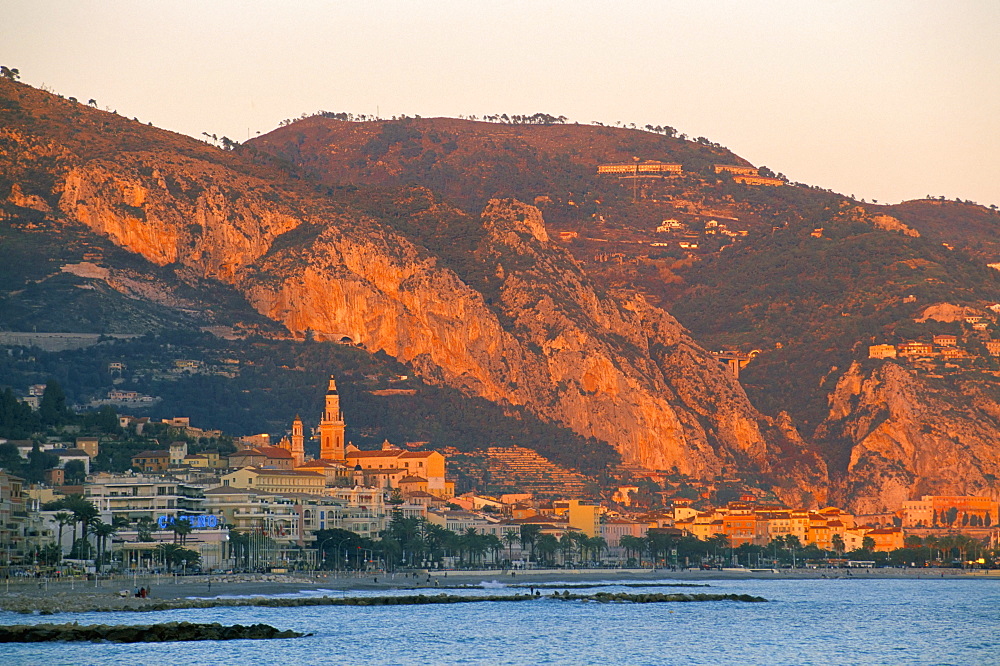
144,633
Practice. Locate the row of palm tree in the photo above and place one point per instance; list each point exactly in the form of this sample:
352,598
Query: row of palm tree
569,546
76,510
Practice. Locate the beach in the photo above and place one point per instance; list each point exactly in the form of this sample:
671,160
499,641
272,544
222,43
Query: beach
164,592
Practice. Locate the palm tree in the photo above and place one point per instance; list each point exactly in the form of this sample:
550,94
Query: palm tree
172,554
597,545
510,535
436,539
144,529
83,512
102,531
547,546
566,545
838,544
494,545
64,519
632,544
181,528
529,535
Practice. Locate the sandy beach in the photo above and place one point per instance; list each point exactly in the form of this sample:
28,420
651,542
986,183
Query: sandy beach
55,596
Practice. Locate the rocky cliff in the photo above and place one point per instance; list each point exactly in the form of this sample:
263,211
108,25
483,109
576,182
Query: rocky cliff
532,332
623,372
902,438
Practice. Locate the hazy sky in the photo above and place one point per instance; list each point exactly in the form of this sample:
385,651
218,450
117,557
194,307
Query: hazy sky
883,99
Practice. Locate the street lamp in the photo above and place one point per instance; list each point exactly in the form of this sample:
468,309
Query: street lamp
322,543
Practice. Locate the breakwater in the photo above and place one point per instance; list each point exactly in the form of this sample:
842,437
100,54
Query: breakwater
93,603
147,633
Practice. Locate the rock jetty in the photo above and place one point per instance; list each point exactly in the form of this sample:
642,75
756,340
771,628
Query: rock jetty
143,633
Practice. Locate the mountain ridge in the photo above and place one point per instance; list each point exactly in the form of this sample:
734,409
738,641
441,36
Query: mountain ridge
510,269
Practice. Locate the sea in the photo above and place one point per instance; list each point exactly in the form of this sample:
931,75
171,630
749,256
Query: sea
822,621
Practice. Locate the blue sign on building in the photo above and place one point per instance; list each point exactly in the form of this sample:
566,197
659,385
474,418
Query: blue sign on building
196,522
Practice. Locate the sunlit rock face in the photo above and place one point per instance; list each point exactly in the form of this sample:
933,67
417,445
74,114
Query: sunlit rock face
904,440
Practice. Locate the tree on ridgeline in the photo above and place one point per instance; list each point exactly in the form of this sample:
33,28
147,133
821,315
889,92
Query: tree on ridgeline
12,73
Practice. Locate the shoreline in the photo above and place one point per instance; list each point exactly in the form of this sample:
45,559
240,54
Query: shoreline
78,596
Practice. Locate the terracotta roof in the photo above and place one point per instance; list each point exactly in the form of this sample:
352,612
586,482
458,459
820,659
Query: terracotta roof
275,452
232,490
320,463
152,454
284,472
413,479
247,452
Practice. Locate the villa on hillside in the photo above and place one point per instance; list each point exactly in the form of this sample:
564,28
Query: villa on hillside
646,168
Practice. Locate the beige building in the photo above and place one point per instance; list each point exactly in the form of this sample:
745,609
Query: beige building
735,169
135,496
429,465
882,351
647,168
277,481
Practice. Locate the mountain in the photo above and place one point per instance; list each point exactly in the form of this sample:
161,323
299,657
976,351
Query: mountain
802,278
471,293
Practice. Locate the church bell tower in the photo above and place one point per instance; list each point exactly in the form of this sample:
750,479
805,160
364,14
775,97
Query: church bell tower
331,427
298,442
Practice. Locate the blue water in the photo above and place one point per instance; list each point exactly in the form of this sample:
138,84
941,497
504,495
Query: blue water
807,622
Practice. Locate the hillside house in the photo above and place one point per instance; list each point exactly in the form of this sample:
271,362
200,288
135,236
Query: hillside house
766,181
915,348
671,225
735,169
151,461
945,340
882,351
646,168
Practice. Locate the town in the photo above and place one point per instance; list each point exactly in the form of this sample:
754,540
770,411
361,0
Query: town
267,507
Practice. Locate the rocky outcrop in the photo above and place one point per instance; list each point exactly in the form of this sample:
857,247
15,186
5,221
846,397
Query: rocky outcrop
905,439
890,223
191,213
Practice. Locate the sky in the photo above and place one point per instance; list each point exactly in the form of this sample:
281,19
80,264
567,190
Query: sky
886,100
